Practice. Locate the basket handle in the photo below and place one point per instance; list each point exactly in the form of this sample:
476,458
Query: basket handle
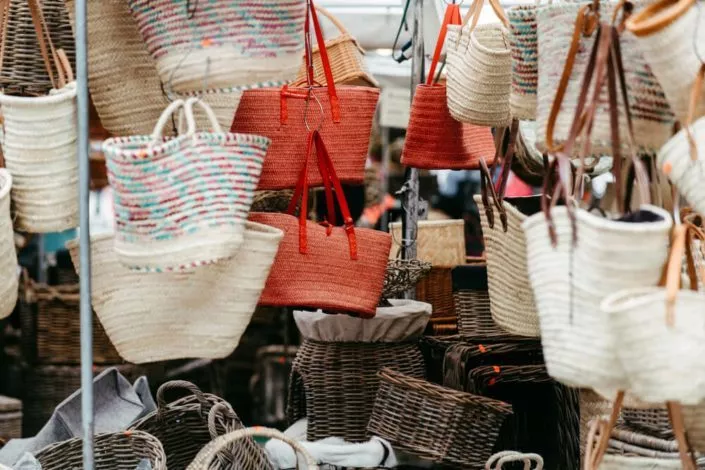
158,130
332,19
501,458
476,10
205,457
46,47
657,16
179,385
451,17
210,114
325,62
219,409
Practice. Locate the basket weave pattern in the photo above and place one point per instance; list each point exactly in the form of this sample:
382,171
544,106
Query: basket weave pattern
10,418
9,282
523,42
439,242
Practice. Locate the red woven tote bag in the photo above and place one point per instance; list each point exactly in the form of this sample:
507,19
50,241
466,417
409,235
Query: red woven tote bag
337,269
434,140
342,114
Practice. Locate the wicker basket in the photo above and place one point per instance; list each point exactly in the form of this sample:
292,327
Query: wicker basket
113,451
653,421
334,384
439,242
45,387
592,406
10,419
436,423
271,200
51,331
403,275
186,425
437,290
9,282
546,414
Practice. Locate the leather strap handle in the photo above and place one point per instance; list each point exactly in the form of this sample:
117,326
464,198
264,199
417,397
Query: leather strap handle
325,62
4,22
475,12
451,17
695,95
658,15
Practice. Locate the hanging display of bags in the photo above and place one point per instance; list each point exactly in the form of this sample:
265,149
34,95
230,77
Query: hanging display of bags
182,202
341,114
229,44
434,140
9,277
339,269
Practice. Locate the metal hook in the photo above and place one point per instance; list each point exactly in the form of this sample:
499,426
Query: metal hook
320,109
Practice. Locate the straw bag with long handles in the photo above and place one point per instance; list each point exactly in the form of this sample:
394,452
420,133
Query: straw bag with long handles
434,140
479,69
342,115
338,269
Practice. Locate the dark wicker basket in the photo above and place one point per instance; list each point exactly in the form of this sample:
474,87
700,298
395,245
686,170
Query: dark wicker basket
437,290
436,423
113,451
44,387
10,419
183,426
403,275
272,200
51,331
546,417
335,384
652,421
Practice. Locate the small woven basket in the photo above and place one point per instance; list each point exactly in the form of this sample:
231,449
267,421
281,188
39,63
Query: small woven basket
9,282
334,384
439,242
10,419
112,451
436,423
403,275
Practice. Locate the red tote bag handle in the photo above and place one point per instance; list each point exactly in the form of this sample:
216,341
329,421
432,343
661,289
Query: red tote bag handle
453,17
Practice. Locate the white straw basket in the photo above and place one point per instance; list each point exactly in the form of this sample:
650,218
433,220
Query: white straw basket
569,282
200,314
40,152
511,297
182,202
479,74
8,256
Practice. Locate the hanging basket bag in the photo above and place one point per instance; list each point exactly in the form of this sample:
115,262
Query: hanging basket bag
229,43
479,69
160,316
9,279
524,46
671,35
347,59
182,202
434,140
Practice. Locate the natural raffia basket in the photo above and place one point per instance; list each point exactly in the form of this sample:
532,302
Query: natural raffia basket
436,423
439,242
113,451
9,282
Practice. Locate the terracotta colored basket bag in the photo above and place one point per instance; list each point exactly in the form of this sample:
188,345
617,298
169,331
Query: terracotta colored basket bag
340,269
342,114
434,140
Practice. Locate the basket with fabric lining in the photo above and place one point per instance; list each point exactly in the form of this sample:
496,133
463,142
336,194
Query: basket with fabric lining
10,419
436,423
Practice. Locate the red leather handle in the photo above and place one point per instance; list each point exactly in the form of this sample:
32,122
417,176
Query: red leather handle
452,16
332,93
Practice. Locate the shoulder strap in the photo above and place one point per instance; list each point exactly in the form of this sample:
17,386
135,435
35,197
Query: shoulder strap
325,62
452,16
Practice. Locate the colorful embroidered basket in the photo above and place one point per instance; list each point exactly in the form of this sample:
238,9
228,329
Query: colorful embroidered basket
230,43
524,45
182,202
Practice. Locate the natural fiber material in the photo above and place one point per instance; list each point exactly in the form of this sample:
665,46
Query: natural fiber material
653,421
334,384
511,297
282,118
479,74
40,151
200,314
325,276
651,114
182,202
51,330
10,418
230,44
570,280
523,42
184,426
434,140
113,451
23,70
436,423
437,290
347,59
271,201
402,275
527,163
592,406
670,50
684,169
8,256
439,242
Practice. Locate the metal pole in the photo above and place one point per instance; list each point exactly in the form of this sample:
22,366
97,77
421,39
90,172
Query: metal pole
85,234
384,175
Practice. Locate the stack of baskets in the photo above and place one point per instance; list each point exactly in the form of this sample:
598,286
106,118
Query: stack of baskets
10,419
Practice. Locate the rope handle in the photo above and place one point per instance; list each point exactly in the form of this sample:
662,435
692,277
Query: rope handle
186,108
205,457
179,385
501,458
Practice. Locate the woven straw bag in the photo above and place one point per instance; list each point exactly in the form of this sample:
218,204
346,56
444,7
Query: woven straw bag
661,331
347,58
9,281
498,460
205,460
479,73
23,69
511,298
182,202
563,63
334,268
230,43
439,242
671,35
523,42
434,140
160,316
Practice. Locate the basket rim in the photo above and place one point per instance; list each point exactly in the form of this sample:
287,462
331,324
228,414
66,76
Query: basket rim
68,93
581,214
481,47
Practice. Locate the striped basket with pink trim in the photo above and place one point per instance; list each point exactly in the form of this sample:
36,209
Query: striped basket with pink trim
224,42
182,202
